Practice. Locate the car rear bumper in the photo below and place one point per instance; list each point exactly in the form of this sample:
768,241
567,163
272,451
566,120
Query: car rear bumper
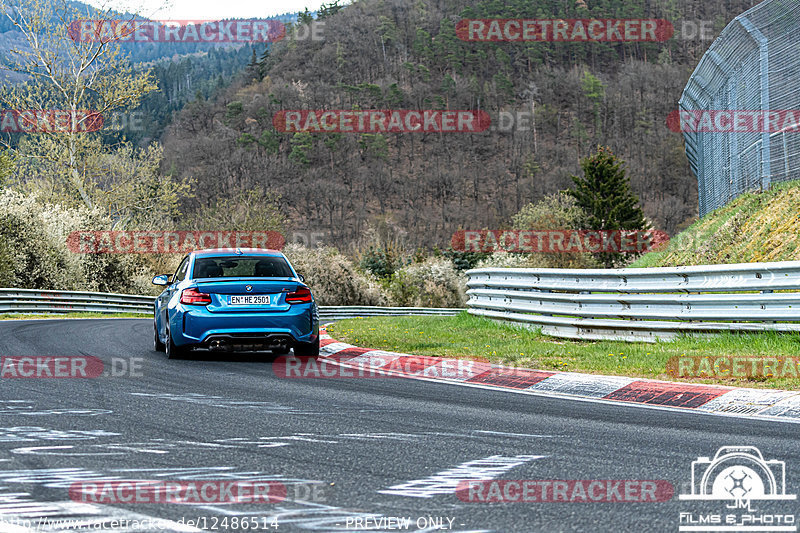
236,331
247,342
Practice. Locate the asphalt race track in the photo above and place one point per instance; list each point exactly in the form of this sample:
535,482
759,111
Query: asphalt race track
350,454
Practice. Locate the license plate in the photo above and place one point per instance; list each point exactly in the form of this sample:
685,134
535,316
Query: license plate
251,299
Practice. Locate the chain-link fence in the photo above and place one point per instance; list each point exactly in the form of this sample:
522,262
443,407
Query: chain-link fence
753,65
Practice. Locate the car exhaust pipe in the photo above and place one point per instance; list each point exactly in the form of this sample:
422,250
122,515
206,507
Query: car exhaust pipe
272,343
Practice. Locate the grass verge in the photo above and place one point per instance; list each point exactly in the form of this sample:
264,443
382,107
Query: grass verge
755,227
471,337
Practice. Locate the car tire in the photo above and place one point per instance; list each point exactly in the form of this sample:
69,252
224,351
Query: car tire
307,349
157,344
173,351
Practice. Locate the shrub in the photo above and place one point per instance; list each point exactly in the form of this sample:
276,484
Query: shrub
382,262
333,277
540,260
433,283
506,260
557,211
34,252
464,260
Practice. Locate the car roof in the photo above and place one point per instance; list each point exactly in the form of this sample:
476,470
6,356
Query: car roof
232,251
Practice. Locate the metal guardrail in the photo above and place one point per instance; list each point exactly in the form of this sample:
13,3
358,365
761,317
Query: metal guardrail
43,301
641,304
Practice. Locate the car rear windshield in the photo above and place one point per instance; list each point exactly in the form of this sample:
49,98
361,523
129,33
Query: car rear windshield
241,267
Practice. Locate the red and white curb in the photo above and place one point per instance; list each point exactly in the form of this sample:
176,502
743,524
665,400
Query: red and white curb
711,399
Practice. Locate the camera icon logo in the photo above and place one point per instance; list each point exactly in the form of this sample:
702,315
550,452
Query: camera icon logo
738,473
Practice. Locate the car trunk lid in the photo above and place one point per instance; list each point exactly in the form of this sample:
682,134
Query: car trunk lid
239,295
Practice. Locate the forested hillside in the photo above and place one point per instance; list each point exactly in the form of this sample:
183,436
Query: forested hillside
380,54
387,201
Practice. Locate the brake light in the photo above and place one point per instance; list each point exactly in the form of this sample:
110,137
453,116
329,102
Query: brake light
301,296
195,297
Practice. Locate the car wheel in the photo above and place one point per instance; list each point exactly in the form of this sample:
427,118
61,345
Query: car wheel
307,349
157,344
173,351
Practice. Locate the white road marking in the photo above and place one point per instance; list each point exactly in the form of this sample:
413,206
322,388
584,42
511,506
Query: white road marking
37,433
163,446
526,435
447,481
227,403
26,408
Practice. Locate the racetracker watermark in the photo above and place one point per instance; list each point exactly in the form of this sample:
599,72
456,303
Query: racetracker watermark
734,121
69,367
697,30
181,492
309,239
558,241
168,242
564,30
381,366
727,367
381,121
50,121
177,31
133,121
565,491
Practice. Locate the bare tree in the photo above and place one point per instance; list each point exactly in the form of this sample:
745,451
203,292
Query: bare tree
70,71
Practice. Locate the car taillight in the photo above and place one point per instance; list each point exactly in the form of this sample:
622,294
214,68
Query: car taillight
195,297
301,296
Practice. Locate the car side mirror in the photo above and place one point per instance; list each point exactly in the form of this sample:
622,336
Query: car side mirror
302,277
163,279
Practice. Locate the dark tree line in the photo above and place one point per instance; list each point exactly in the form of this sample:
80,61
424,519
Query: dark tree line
180,81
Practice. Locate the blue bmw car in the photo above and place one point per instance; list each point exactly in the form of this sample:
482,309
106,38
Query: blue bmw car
229,300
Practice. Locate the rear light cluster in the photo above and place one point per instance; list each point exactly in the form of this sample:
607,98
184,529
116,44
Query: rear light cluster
195,297
301,296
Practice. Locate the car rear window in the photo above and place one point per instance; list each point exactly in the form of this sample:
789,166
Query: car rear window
241,267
